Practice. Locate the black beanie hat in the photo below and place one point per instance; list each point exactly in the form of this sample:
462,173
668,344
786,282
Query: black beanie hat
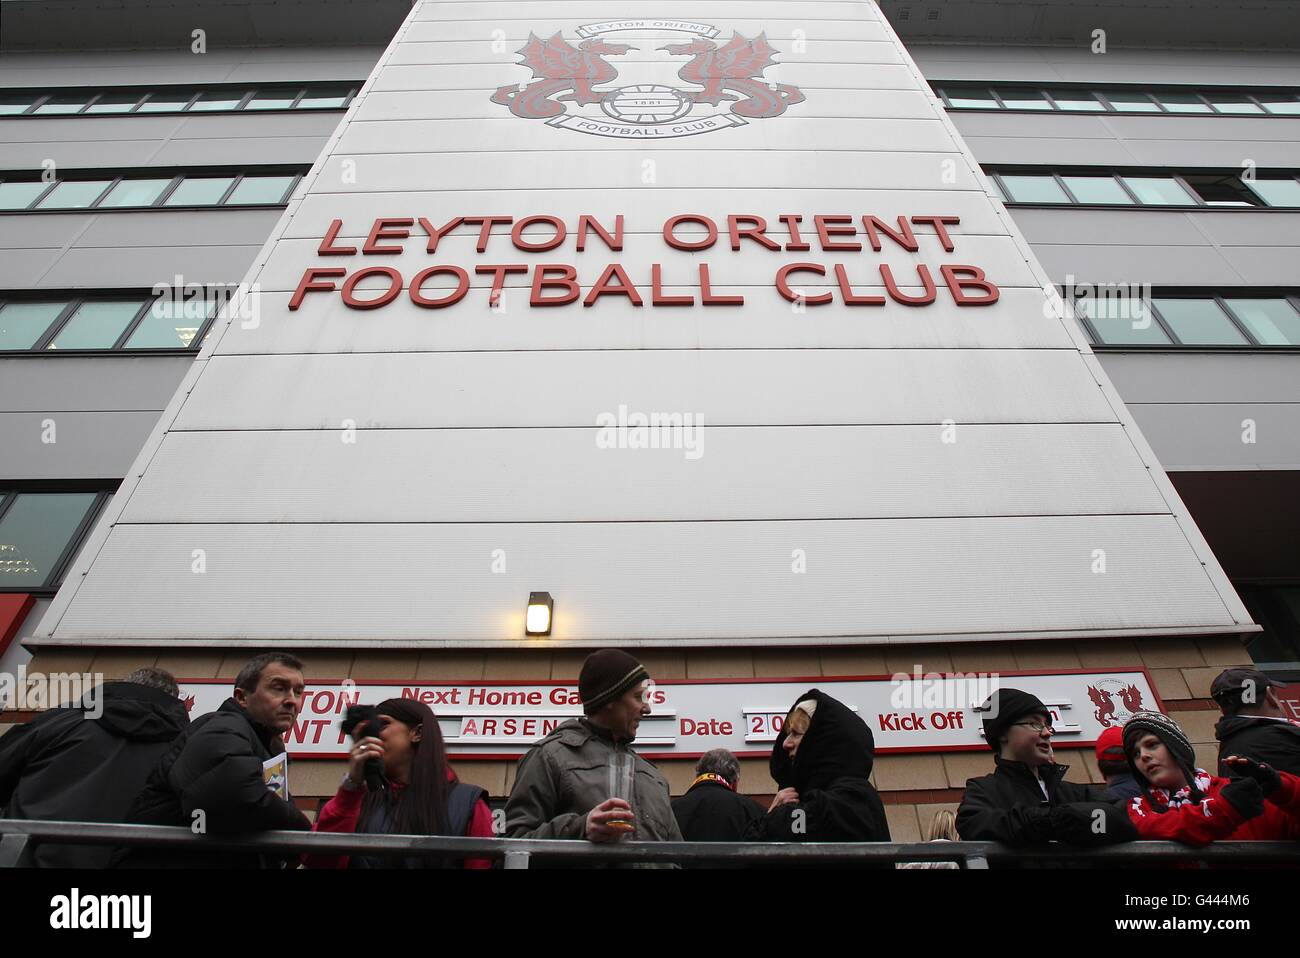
1003,707
606,675
1169,732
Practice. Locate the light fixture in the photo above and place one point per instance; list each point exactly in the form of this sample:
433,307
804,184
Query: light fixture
538,619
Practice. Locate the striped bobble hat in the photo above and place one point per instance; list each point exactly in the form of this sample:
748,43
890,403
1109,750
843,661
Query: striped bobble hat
1165,729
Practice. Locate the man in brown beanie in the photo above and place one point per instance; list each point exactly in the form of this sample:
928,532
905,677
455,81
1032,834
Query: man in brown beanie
563,786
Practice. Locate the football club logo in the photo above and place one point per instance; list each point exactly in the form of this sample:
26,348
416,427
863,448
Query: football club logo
1106,710
729,75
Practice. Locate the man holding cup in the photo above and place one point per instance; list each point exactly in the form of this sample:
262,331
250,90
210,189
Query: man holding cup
583,780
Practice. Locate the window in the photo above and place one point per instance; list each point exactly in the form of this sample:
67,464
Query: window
1198,322
324,99
1097,189
1133,99
1233,103
19,195
173,99
971,98
1187,318
272,100
135,193
1222,189
1121,320
63,104
1276,192
1283,103
147,189
12,104
1033,189
1081,100
1023,99
1159,191
73,195
39,534
22,324
200,191
115,103
170,325
218,100
166,102
1183,103
1131,102
96,325
106,321
1273,322
260,189
1148,188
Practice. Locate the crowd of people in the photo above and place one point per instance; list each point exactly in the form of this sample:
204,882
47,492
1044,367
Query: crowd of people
134,756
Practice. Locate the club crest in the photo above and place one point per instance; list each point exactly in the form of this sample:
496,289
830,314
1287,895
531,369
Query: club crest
722,85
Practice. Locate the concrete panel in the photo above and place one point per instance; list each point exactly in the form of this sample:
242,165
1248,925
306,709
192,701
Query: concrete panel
468,475
741,387
413,581
487,49
1177,377
110,383
1125,263
678,167
324,325
225,152
94,445
145,228
1202,437
144,266
520,24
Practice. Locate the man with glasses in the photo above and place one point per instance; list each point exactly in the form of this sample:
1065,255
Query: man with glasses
1026,798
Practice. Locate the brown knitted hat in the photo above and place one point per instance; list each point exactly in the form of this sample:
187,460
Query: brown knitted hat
606,675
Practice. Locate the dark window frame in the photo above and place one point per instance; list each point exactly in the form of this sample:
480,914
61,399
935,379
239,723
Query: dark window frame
178,175
1120,172
73,302
1098,93
1218,296
104,490
44,94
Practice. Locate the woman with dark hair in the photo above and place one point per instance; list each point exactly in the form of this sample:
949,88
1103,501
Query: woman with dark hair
822,762
419,793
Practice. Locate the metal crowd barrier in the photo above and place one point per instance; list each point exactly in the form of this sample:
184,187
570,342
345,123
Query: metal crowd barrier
20,838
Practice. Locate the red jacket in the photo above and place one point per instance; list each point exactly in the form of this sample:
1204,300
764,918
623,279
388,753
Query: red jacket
342,812
1158,815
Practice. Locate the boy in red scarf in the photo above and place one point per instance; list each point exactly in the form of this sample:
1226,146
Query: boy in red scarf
1183,803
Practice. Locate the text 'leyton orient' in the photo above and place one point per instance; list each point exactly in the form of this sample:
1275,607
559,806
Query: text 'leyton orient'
558,284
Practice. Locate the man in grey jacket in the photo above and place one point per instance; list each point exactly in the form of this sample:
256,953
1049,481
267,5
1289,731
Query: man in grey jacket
562,789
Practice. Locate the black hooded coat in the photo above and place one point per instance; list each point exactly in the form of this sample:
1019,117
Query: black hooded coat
80,765
831,772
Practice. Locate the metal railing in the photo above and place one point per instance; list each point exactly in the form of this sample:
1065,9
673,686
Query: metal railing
21,837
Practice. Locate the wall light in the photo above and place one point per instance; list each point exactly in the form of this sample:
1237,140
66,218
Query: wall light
538,620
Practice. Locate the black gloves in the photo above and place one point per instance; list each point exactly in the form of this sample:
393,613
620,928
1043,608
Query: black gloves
1091,823
1245,795
1265,775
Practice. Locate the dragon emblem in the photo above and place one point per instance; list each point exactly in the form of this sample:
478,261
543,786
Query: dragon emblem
558,66
735,66
564,90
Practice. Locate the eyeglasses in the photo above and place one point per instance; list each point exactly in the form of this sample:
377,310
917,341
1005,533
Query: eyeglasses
1038,727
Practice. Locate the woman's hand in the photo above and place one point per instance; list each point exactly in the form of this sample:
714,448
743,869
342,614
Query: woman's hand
787,796
363,751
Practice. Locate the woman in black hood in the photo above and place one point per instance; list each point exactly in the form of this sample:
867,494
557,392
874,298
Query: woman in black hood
822,762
